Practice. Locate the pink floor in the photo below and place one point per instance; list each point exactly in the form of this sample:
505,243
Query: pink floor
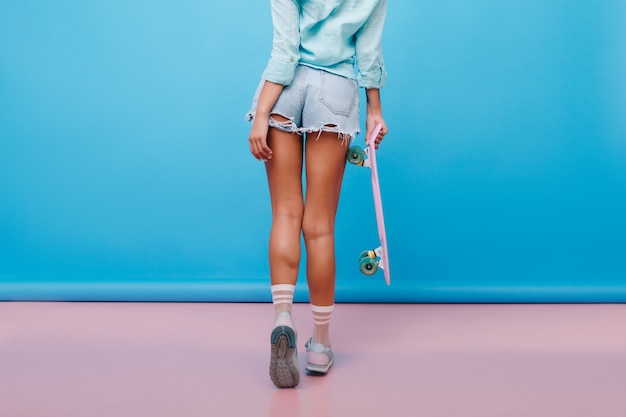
132,359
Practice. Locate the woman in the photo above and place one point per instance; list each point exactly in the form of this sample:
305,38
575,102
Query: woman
323,50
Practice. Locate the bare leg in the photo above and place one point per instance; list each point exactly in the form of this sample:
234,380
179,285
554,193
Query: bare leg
325,165
284,175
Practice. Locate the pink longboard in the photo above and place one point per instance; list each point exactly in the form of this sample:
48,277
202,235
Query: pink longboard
372,259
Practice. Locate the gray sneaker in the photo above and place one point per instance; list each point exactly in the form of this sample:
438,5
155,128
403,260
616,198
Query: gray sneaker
284,371
319,357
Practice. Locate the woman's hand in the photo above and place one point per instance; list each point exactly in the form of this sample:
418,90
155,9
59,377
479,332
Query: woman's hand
258,139
372,121
258,135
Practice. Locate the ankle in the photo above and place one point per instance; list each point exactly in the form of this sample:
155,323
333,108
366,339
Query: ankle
321,324
282,298
283,318
321,340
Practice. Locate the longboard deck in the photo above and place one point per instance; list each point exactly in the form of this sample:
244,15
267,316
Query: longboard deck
378,204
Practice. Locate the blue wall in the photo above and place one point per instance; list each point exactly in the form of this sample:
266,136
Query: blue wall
125,172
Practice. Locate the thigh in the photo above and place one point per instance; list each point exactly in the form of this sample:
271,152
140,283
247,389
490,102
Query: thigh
284,172
325,165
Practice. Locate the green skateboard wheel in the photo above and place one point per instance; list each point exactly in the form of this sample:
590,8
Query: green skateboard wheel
355,155
368,266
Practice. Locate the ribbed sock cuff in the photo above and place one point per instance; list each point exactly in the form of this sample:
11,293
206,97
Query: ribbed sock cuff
282,293
322,314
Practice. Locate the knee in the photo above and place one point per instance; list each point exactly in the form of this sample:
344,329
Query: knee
290,214
314,229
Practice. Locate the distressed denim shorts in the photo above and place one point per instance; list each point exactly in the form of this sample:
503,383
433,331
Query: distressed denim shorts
315,101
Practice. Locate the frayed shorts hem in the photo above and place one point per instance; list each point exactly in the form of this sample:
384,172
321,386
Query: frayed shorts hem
289,126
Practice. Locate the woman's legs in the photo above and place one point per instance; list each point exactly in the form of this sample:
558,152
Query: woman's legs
325,165
284,175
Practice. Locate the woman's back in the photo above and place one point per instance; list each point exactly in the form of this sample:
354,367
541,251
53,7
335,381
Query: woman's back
329,35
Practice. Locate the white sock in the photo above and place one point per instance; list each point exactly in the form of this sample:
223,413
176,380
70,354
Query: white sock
282,298
321,322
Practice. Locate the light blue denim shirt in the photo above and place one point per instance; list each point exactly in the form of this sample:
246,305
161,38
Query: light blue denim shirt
343,37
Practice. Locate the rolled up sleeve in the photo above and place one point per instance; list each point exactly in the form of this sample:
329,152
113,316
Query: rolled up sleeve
369,54
285,55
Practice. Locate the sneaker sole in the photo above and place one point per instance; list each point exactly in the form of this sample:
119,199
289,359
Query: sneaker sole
284,371
319,369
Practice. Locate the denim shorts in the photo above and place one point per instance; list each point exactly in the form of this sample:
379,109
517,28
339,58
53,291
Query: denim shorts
315,101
